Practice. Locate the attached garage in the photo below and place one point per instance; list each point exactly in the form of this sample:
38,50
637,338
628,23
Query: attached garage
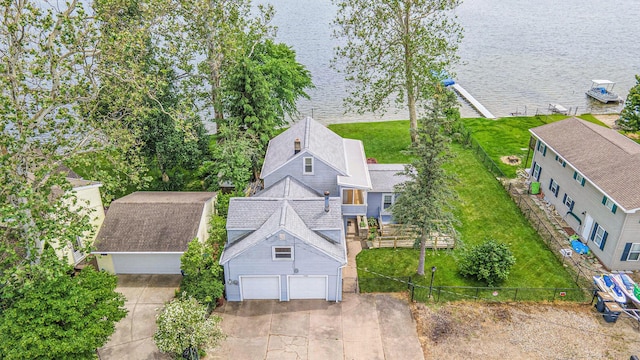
260,287
308,287
146,263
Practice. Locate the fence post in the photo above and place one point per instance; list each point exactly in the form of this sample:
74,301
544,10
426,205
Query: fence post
477,291
555,290
515,295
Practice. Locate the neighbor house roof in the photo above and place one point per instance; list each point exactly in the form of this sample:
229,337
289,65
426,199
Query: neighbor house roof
152,222
346,156
296,211
385,176
608,159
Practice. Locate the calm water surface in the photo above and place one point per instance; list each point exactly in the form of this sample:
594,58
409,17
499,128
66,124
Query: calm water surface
516,55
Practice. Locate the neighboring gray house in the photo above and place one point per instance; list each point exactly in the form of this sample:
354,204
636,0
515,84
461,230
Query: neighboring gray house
284,243
591,175
147,232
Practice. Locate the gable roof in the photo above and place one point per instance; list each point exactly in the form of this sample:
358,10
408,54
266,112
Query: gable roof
385,176
608,159
346,156
152,222
297,212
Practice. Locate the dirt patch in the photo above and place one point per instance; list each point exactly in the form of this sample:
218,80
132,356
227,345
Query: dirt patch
511,160
467,330
608,119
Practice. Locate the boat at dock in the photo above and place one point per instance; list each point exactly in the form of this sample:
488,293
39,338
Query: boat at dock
602,90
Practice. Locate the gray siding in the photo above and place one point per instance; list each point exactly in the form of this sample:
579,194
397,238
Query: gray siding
324,178
630,234
306,259
588,200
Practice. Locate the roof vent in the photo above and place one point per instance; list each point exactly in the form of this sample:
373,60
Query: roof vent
296,146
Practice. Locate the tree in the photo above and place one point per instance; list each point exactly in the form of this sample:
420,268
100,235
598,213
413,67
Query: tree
425,199
489,262
183,325
630,115
54,315
202,274
395,50
203,38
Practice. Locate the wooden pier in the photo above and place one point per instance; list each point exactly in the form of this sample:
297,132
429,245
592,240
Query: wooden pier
475,103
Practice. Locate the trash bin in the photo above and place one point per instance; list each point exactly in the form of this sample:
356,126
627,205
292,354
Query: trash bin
603,298
611,312
535,188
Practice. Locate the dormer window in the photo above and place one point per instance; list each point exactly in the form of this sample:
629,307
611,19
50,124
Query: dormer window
308,166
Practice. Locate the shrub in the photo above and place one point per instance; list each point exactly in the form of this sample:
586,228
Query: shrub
183,325
202,274
489,262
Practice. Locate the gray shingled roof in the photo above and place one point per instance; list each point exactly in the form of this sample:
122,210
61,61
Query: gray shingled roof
152,222
303,217
385,176
315,139
606,158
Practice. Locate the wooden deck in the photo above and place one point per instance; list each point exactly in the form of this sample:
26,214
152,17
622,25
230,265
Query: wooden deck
399,236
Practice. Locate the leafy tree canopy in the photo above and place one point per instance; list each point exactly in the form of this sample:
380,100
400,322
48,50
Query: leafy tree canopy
630,115
395,51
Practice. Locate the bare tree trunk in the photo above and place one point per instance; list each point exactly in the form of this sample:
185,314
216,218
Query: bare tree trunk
423,250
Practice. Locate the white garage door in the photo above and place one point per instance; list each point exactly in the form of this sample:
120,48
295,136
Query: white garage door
146,263
260,287
308,287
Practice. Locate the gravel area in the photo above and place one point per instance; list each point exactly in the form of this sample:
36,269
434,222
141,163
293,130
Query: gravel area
467,330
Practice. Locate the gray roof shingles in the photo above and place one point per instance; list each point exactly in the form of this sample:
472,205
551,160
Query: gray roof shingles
152,222
605,157
385,176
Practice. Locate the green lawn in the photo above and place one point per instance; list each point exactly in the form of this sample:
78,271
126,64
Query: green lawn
510,136
484,211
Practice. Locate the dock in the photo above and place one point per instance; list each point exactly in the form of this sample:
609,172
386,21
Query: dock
475,103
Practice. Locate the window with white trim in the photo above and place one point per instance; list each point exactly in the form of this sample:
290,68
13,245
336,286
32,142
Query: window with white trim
542,148
282,252
554,187
609,204
579,178
387,201
634,252
536,171
562,162
308,166
568,202
599,234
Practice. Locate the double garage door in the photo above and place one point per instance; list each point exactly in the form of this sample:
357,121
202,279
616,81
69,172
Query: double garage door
146,263
298,287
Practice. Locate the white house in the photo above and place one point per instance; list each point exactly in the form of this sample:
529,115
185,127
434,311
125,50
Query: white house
591,175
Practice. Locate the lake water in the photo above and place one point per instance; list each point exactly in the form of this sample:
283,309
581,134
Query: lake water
516,54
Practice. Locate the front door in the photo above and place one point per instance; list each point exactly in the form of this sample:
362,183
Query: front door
588,221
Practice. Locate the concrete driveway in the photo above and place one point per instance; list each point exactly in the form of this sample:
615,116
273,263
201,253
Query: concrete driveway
363,326
146,295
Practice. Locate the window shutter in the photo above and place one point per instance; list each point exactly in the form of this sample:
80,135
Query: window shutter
556,157
582,181
539,174
625,252
564,199
571,207
544,152
604,200
604,240
550,184
557,190
564,164
614,208
593,232
575,175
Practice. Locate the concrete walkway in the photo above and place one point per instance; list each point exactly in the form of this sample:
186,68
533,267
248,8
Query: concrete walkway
146,295
350,272
372,326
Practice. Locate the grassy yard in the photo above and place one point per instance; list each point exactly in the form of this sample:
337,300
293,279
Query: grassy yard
484,211
510,136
